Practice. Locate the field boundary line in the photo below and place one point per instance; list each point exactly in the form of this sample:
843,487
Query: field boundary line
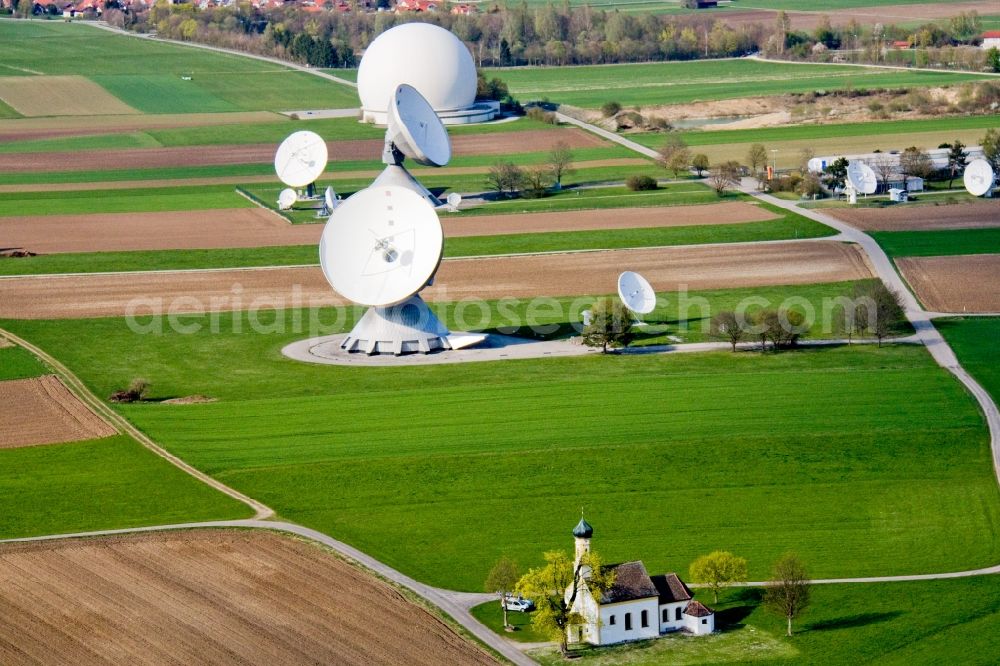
116,420
260,204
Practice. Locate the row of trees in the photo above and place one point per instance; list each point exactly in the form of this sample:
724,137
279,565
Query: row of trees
555,587
507,179
522,35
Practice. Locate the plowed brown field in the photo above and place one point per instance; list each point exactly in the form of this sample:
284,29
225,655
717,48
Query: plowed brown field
954,216
969,283
41,410
255,227
584,273
208,597
501,143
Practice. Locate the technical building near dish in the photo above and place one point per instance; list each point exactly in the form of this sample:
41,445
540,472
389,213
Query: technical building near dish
432,60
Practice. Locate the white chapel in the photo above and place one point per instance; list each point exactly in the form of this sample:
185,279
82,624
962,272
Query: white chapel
637,606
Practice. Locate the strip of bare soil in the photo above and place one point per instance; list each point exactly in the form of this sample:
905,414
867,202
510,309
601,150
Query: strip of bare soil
976,215
969,283
572,274
41,410
502,143
208,597
255,227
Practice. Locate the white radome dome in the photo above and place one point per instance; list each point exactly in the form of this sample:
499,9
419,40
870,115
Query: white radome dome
427,57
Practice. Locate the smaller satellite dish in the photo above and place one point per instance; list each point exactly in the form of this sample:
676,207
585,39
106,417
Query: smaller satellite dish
330,199
300,159
415,129
287,198
979,177
636,293
861,177
454,199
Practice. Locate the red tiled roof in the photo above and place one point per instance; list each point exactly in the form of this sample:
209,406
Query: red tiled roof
697,609
631,582
991,34
671,588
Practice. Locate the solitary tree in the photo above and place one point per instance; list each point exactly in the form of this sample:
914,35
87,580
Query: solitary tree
956,161
884,167
555,587
502,580
718,569
729,326
878,310
674,155
700,163
836,173
505,178
757,159
610,324
915,163
991,148
724,176
787,594
560,162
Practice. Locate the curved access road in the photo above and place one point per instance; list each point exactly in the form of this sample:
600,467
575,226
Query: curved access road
921,319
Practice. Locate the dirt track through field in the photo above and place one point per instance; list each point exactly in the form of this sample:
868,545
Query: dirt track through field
499,143
976,215
41,410
965,283
583,274
208,597
255,227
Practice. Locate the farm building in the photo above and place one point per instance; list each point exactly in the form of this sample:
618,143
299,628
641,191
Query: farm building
991,39
637,606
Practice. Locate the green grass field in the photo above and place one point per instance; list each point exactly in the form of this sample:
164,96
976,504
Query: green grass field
885,623
438,470
682,82
147,73
16,363
974,341
80,202
768,135
100,484
938,243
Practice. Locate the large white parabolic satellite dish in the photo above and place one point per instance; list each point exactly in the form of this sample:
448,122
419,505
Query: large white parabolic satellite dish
287,198
415,129
381,246
300,159
978,177
636,293
861,177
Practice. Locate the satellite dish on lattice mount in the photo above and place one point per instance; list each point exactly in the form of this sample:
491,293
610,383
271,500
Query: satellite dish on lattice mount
287,198
636,293
380,248
979,178
300,159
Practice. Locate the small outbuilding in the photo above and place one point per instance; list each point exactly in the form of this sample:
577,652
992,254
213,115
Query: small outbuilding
898,195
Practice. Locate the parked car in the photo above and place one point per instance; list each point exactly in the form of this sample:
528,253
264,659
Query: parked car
519,603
